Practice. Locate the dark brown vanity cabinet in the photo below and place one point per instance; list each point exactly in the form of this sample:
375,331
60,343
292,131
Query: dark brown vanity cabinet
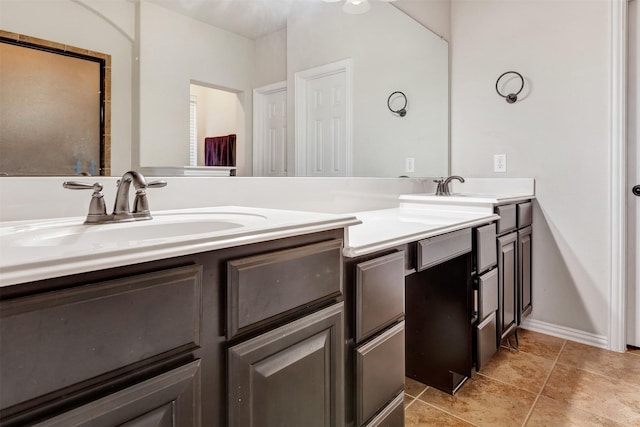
375,337
152,343
514,265
486,293
525,233
439,312
292,374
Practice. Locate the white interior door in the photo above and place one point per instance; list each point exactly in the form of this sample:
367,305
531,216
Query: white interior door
633,138
323,121
270,130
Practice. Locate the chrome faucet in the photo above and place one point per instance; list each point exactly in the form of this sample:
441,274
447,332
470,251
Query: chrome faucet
121,212
443,185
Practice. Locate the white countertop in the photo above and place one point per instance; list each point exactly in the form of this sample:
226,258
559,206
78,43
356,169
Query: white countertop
36,250
386,228
40,249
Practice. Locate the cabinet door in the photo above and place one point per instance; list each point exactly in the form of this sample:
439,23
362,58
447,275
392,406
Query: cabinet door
291,376
507,284
524,273
169,399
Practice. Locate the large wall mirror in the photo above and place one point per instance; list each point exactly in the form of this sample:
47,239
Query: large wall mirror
54,107
161,49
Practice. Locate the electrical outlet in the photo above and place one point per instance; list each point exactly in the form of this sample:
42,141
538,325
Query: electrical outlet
499,162
410,164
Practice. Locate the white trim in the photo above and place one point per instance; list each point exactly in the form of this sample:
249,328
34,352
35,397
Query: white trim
300,104
259,119
565,333
618,176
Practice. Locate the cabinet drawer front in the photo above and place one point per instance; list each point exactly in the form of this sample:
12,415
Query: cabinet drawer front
488,287
525,214
379,294
507,221
171,399
92,330
442,248
391,416
487,340
262,287
486,254
379,372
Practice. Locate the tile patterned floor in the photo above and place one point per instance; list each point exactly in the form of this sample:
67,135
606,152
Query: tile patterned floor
548,382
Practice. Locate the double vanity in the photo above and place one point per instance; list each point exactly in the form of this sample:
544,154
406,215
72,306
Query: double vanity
247,316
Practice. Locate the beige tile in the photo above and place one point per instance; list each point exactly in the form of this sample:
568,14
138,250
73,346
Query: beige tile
520,369
633,350
549,412
485,402
621,366
408,400
421,414
413,387
596,394
539,344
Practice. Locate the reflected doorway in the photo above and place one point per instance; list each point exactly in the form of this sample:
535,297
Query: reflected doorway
215,119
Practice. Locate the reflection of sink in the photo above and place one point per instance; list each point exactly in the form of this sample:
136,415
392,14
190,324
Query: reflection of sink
162,226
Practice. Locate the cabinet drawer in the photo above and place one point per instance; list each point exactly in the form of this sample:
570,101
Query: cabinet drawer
379,294
91,330
436,250
172,398
507,221
391,416
524,214
262,287
486,254
487,340
488,293
379,372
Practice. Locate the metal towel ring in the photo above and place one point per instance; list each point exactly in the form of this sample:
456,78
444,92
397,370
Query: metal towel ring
402,111
512,97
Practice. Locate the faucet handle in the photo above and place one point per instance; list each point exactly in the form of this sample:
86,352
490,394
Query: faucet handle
440,187
140,203
156,184
97,207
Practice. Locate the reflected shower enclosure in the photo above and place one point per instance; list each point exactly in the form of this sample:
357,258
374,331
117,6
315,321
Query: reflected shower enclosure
52,109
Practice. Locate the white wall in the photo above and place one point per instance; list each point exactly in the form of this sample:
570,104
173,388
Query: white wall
175,51
433,14
556,133
271,59
390,52
107,27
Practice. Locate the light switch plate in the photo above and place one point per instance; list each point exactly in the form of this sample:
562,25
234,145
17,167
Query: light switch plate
410,164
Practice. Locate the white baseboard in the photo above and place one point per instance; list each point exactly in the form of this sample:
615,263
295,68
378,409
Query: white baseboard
566,333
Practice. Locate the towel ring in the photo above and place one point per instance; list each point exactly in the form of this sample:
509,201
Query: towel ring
512,97
402,111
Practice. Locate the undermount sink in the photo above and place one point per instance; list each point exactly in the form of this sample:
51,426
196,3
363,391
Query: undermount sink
170,225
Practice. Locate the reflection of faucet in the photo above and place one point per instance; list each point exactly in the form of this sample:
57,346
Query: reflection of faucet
443,185
121,212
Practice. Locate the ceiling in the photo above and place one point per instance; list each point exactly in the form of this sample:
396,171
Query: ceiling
249,18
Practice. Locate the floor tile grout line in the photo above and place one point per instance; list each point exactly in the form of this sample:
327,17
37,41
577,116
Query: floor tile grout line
410,403
506,383
546,380
448,413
